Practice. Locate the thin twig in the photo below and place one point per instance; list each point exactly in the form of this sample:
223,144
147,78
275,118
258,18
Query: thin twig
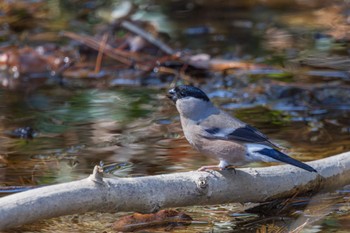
92,43
147,36
301,227
100,53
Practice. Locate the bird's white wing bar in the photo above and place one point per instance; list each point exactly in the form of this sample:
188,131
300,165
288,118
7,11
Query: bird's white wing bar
246,134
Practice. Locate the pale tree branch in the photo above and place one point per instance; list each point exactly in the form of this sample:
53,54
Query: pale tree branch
151,193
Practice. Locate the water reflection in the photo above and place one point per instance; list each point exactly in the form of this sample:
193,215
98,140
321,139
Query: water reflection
70,126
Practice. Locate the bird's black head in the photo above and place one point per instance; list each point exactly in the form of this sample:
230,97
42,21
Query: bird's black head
184,91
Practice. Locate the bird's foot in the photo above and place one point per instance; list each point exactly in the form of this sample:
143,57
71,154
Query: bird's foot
230,168
210,167
217,168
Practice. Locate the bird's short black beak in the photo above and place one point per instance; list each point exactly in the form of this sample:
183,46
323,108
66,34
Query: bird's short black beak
172,95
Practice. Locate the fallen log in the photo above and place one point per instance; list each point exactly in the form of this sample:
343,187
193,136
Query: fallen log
151,193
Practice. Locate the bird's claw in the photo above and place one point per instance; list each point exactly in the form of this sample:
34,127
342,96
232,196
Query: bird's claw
230,168
216,168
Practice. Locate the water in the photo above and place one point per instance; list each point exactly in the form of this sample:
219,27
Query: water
135,131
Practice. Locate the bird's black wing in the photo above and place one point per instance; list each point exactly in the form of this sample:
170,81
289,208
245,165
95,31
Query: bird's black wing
245,134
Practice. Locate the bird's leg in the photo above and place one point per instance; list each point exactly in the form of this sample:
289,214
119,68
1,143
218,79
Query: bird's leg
210,167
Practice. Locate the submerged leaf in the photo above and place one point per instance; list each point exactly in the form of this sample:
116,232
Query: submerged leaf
138,221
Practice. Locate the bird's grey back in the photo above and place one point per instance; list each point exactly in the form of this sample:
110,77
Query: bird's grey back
222,120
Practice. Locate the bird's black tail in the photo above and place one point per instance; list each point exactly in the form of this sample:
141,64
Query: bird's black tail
277,155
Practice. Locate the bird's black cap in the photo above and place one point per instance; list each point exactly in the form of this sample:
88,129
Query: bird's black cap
184,91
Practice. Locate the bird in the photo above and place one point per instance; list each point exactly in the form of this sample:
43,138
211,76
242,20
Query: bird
221,136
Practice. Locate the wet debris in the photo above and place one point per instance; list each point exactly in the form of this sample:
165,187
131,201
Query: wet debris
121,46
24,133
22,15
31,65
341,63
163,218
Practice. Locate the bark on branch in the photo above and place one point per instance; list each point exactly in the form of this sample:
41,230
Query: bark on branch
151,193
